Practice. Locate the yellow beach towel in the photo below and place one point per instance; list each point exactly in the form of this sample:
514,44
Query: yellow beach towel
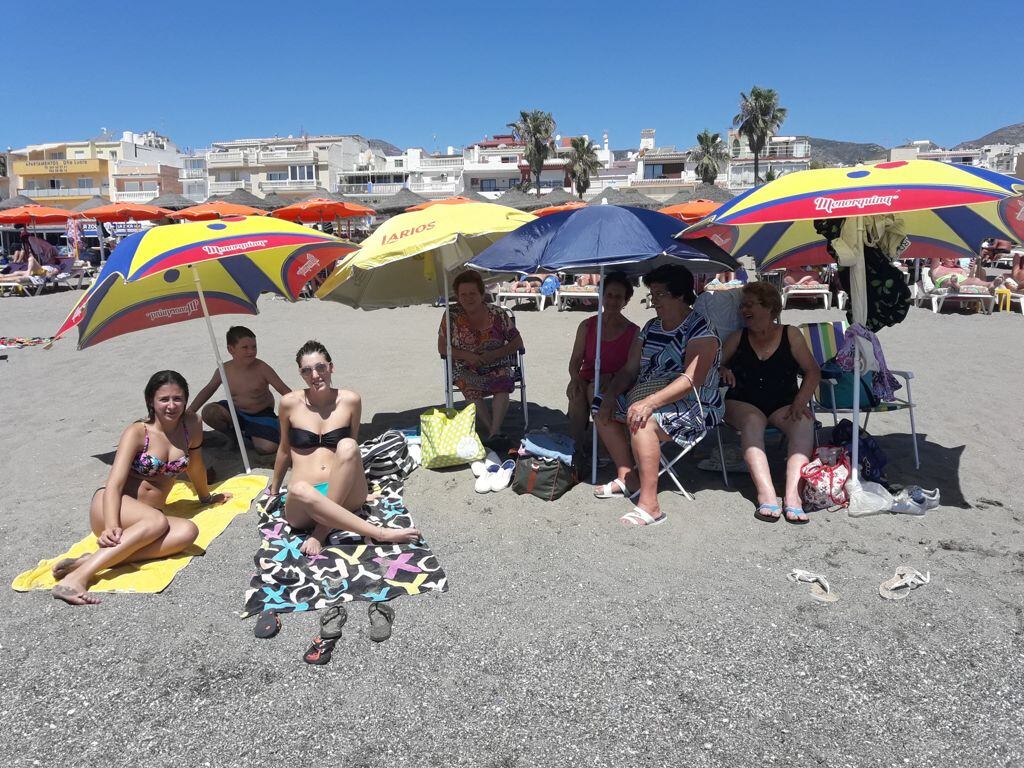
156,575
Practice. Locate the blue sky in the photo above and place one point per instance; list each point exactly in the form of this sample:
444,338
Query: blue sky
408,72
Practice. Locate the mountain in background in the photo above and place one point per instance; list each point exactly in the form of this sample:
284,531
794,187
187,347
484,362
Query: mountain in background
831,152
1009,134
384,146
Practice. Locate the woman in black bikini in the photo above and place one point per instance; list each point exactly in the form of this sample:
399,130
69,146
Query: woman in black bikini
127,514
760,365
319,434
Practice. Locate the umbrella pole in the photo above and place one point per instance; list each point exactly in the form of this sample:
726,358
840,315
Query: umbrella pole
597,373
449,399
220,368
855,459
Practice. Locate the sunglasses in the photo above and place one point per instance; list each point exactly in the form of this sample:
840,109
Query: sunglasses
320,368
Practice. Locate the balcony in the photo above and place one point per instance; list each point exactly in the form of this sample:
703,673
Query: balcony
233,158
192,173
287,157
427,188
224,187
441,162
288,185
50,194
142,196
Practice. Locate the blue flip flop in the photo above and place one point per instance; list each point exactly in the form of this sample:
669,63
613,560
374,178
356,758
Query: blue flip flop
791,515
769,518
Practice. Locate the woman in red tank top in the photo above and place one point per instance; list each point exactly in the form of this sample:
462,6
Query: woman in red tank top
618,333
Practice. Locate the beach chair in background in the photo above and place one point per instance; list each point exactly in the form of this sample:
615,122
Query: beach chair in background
505,291
516,362
572,292
825,340
926,290
814,291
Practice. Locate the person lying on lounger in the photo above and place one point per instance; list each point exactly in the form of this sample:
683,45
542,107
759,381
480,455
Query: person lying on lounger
127,513
319,433
802,277
948,273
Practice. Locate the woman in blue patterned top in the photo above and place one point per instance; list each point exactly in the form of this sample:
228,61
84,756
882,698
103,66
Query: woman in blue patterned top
668,390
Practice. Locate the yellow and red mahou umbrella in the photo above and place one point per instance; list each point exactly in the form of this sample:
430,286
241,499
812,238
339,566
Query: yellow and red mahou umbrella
31,215
322,209
572,205
217,209
180,272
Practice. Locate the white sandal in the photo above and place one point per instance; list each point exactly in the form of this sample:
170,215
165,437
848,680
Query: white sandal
640,517
607,491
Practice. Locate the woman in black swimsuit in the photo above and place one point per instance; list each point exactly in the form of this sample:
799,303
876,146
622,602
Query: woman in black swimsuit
319,433
760,365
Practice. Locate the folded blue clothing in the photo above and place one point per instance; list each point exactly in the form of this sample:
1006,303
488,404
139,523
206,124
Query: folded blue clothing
550,445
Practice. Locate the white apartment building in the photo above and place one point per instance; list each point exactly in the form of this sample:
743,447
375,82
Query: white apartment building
291,166
375,174
1003,158
194,179
785,154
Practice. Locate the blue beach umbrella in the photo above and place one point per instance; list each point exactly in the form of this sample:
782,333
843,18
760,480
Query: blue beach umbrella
597,239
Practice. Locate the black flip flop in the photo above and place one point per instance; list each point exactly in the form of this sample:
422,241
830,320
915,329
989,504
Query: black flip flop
267,625
769,518
382,616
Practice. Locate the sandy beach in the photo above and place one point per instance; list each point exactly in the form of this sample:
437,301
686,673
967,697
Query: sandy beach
565,639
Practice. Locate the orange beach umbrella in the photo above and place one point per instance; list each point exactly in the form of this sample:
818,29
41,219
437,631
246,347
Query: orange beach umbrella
322,209
125,212
457,200
572,205
692,211
215,210
35,214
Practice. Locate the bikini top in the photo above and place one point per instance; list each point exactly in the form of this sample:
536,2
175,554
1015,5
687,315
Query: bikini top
303,438
148,465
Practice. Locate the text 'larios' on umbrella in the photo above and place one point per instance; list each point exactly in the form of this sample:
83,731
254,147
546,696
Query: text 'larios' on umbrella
412,258
182,272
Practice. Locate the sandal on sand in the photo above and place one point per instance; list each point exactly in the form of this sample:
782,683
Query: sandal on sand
795,515
640,517
267,625
820,589
900,585
382,616
608,490
331,622
768,513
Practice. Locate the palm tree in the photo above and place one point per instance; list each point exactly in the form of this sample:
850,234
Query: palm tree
772,174
760,116
536,130
582,162
710,152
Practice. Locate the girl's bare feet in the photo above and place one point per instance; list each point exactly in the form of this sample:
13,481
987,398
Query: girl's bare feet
63,567
73,593
398,535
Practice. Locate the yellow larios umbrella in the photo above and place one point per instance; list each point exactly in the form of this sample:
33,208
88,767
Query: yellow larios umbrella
411,257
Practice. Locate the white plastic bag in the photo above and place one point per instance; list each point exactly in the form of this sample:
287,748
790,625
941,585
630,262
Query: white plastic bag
867,498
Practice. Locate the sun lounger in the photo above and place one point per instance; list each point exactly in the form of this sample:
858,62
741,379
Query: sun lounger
808,291
568,293
506,292
939,296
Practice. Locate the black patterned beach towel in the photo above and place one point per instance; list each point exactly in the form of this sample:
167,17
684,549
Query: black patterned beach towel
350,568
